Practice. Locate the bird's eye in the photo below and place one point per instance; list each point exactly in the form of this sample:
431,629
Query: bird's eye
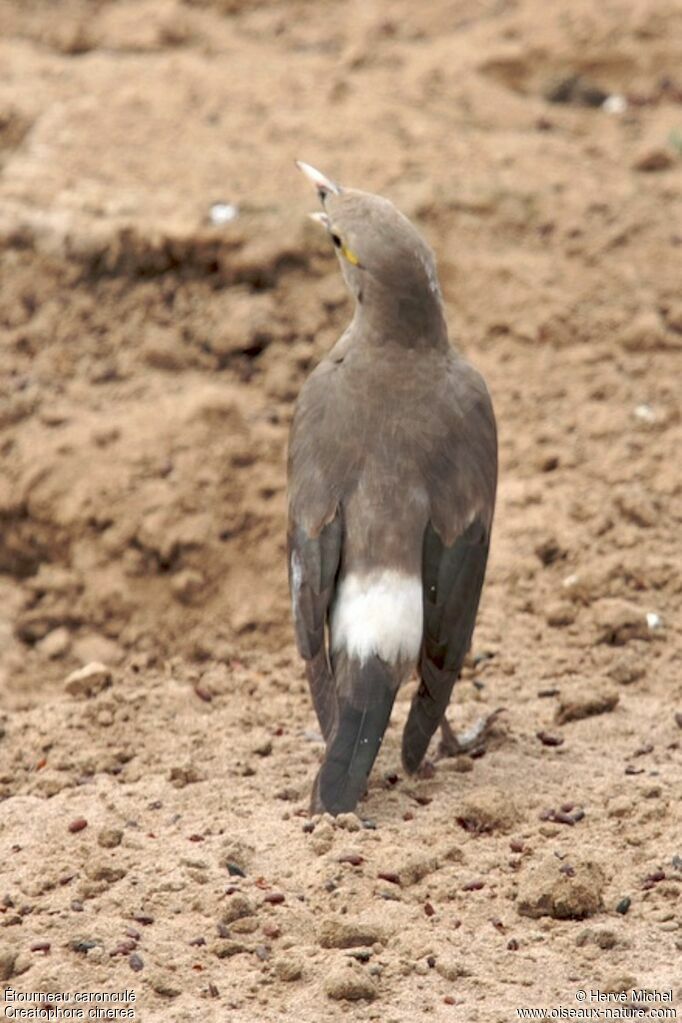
336,240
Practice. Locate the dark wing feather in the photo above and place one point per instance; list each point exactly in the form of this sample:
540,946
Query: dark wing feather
313,567
453,578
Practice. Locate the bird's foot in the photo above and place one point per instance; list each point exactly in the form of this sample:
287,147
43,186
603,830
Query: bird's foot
452,745
427,769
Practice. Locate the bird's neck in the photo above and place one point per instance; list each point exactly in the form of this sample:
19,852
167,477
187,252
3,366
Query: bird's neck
417,322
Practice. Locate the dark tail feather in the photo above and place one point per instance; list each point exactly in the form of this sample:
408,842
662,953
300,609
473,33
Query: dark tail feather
455,576
366,696
426,713
322,690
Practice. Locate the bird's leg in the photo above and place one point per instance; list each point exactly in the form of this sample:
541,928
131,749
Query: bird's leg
451,744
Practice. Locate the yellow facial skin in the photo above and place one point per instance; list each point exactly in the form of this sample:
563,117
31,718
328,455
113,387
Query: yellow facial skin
350,256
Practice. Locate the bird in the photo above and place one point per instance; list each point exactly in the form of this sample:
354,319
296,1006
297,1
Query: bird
392,476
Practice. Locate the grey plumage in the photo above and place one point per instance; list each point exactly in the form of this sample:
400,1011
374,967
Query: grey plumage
392,476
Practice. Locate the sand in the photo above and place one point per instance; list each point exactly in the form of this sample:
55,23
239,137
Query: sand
154,833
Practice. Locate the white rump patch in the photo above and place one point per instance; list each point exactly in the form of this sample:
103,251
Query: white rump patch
378,613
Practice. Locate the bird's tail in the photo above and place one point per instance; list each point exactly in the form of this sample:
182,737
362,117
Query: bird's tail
365,693
426,713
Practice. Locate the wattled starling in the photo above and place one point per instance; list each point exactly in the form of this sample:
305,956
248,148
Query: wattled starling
392,478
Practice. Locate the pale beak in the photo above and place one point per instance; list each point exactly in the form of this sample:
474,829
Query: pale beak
324,185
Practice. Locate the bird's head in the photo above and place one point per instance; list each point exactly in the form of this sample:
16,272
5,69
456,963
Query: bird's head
387,265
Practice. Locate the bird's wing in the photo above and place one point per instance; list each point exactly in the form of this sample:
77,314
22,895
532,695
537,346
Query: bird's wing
313,566
455,552
317,475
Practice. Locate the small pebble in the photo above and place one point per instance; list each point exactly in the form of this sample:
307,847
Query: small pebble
274,898
77,825
653,160
82,945
615,104
645,413
473,886
387,875
624,905
550,740
221,213
135,962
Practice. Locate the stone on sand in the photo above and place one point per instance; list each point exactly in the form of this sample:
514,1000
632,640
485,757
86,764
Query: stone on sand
88,681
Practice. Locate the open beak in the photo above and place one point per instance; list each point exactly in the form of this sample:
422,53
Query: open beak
324,185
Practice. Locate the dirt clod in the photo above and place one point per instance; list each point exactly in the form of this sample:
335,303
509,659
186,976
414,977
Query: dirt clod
109,838
289,968
487,810
584,703
547,891
236,907
350,983
335,933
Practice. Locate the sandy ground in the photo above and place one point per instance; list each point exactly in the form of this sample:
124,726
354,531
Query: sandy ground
154,835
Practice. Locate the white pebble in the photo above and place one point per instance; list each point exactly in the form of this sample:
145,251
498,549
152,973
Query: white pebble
615,104
222,213
654,621
645,413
